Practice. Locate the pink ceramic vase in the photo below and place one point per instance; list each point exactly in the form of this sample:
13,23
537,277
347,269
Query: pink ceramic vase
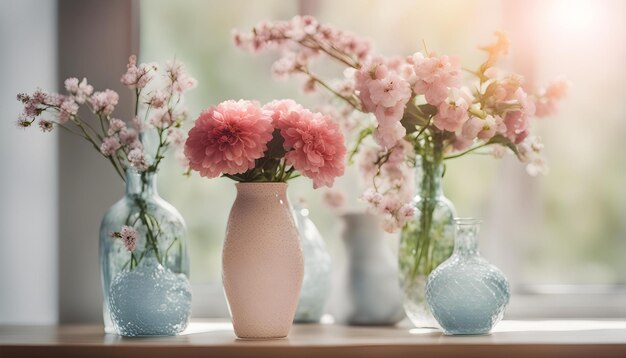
262,261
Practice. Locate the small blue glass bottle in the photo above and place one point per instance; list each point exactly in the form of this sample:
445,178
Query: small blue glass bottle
466,294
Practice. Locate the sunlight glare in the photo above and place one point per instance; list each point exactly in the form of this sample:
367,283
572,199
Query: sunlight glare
574,16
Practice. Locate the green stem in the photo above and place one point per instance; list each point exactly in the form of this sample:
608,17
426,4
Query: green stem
362,135
92,141
467,151
431,160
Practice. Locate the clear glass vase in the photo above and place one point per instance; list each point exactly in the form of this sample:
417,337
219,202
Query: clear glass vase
467,294
427,240
146,290
317,269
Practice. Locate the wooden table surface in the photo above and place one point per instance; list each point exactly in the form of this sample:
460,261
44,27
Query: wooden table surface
563,338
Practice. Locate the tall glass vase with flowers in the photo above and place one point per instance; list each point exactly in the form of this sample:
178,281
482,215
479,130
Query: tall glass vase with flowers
143,253
261,148
425,112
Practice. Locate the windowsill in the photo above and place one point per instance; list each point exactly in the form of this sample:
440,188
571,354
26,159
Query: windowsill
216,338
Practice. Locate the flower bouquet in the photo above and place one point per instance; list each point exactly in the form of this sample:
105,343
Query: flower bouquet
425,112
143,253
261,148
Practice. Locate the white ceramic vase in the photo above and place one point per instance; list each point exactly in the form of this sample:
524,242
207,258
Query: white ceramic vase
262,262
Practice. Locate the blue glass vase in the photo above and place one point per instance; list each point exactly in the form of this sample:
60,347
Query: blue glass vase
146,290
317,269
466,294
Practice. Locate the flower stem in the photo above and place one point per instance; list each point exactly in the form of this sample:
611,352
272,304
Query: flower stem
467,151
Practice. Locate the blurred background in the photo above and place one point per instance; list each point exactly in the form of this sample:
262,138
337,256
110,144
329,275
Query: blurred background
561,238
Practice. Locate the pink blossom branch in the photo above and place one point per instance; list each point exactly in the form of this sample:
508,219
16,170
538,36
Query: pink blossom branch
314,78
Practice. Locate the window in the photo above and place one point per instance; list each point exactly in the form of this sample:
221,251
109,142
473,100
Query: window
565,228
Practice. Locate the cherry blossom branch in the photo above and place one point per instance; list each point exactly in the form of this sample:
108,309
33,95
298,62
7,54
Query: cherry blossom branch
329,88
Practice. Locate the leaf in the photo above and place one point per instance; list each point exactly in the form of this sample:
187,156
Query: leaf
428,109
502,140
275,147
415,117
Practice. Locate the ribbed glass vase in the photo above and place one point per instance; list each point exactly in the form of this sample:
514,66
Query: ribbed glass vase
467,294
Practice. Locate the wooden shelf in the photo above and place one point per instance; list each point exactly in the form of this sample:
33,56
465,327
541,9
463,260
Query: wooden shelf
566,338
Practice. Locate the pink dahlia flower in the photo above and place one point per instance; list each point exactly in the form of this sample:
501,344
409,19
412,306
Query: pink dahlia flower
228,138
279,107
314,144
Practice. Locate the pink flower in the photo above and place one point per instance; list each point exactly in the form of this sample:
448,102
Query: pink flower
388,116
137,76
176,136
315,146
382,92
373,199
405,213
460,143
228,138
557,90
137,159
115,125
45,125
490,127
530,152
389,204
128,235
299,28
79,90
389,91
157,99
180,81
435,76
130,138
389,135
23,122
109,146
546,103
334,198
285,65
181,158
452,114
162,118
67,110
471,128
389,223
104,102
139,124
482,129
277,108
516,122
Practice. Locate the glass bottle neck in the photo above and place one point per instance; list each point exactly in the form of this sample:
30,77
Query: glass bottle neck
466,239
140,184
428,176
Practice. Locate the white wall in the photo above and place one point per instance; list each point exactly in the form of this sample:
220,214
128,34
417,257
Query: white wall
28,167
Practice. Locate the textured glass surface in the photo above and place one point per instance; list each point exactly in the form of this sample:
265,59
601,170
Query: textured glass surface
466,294
150,300
426,241
161,238
317,269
